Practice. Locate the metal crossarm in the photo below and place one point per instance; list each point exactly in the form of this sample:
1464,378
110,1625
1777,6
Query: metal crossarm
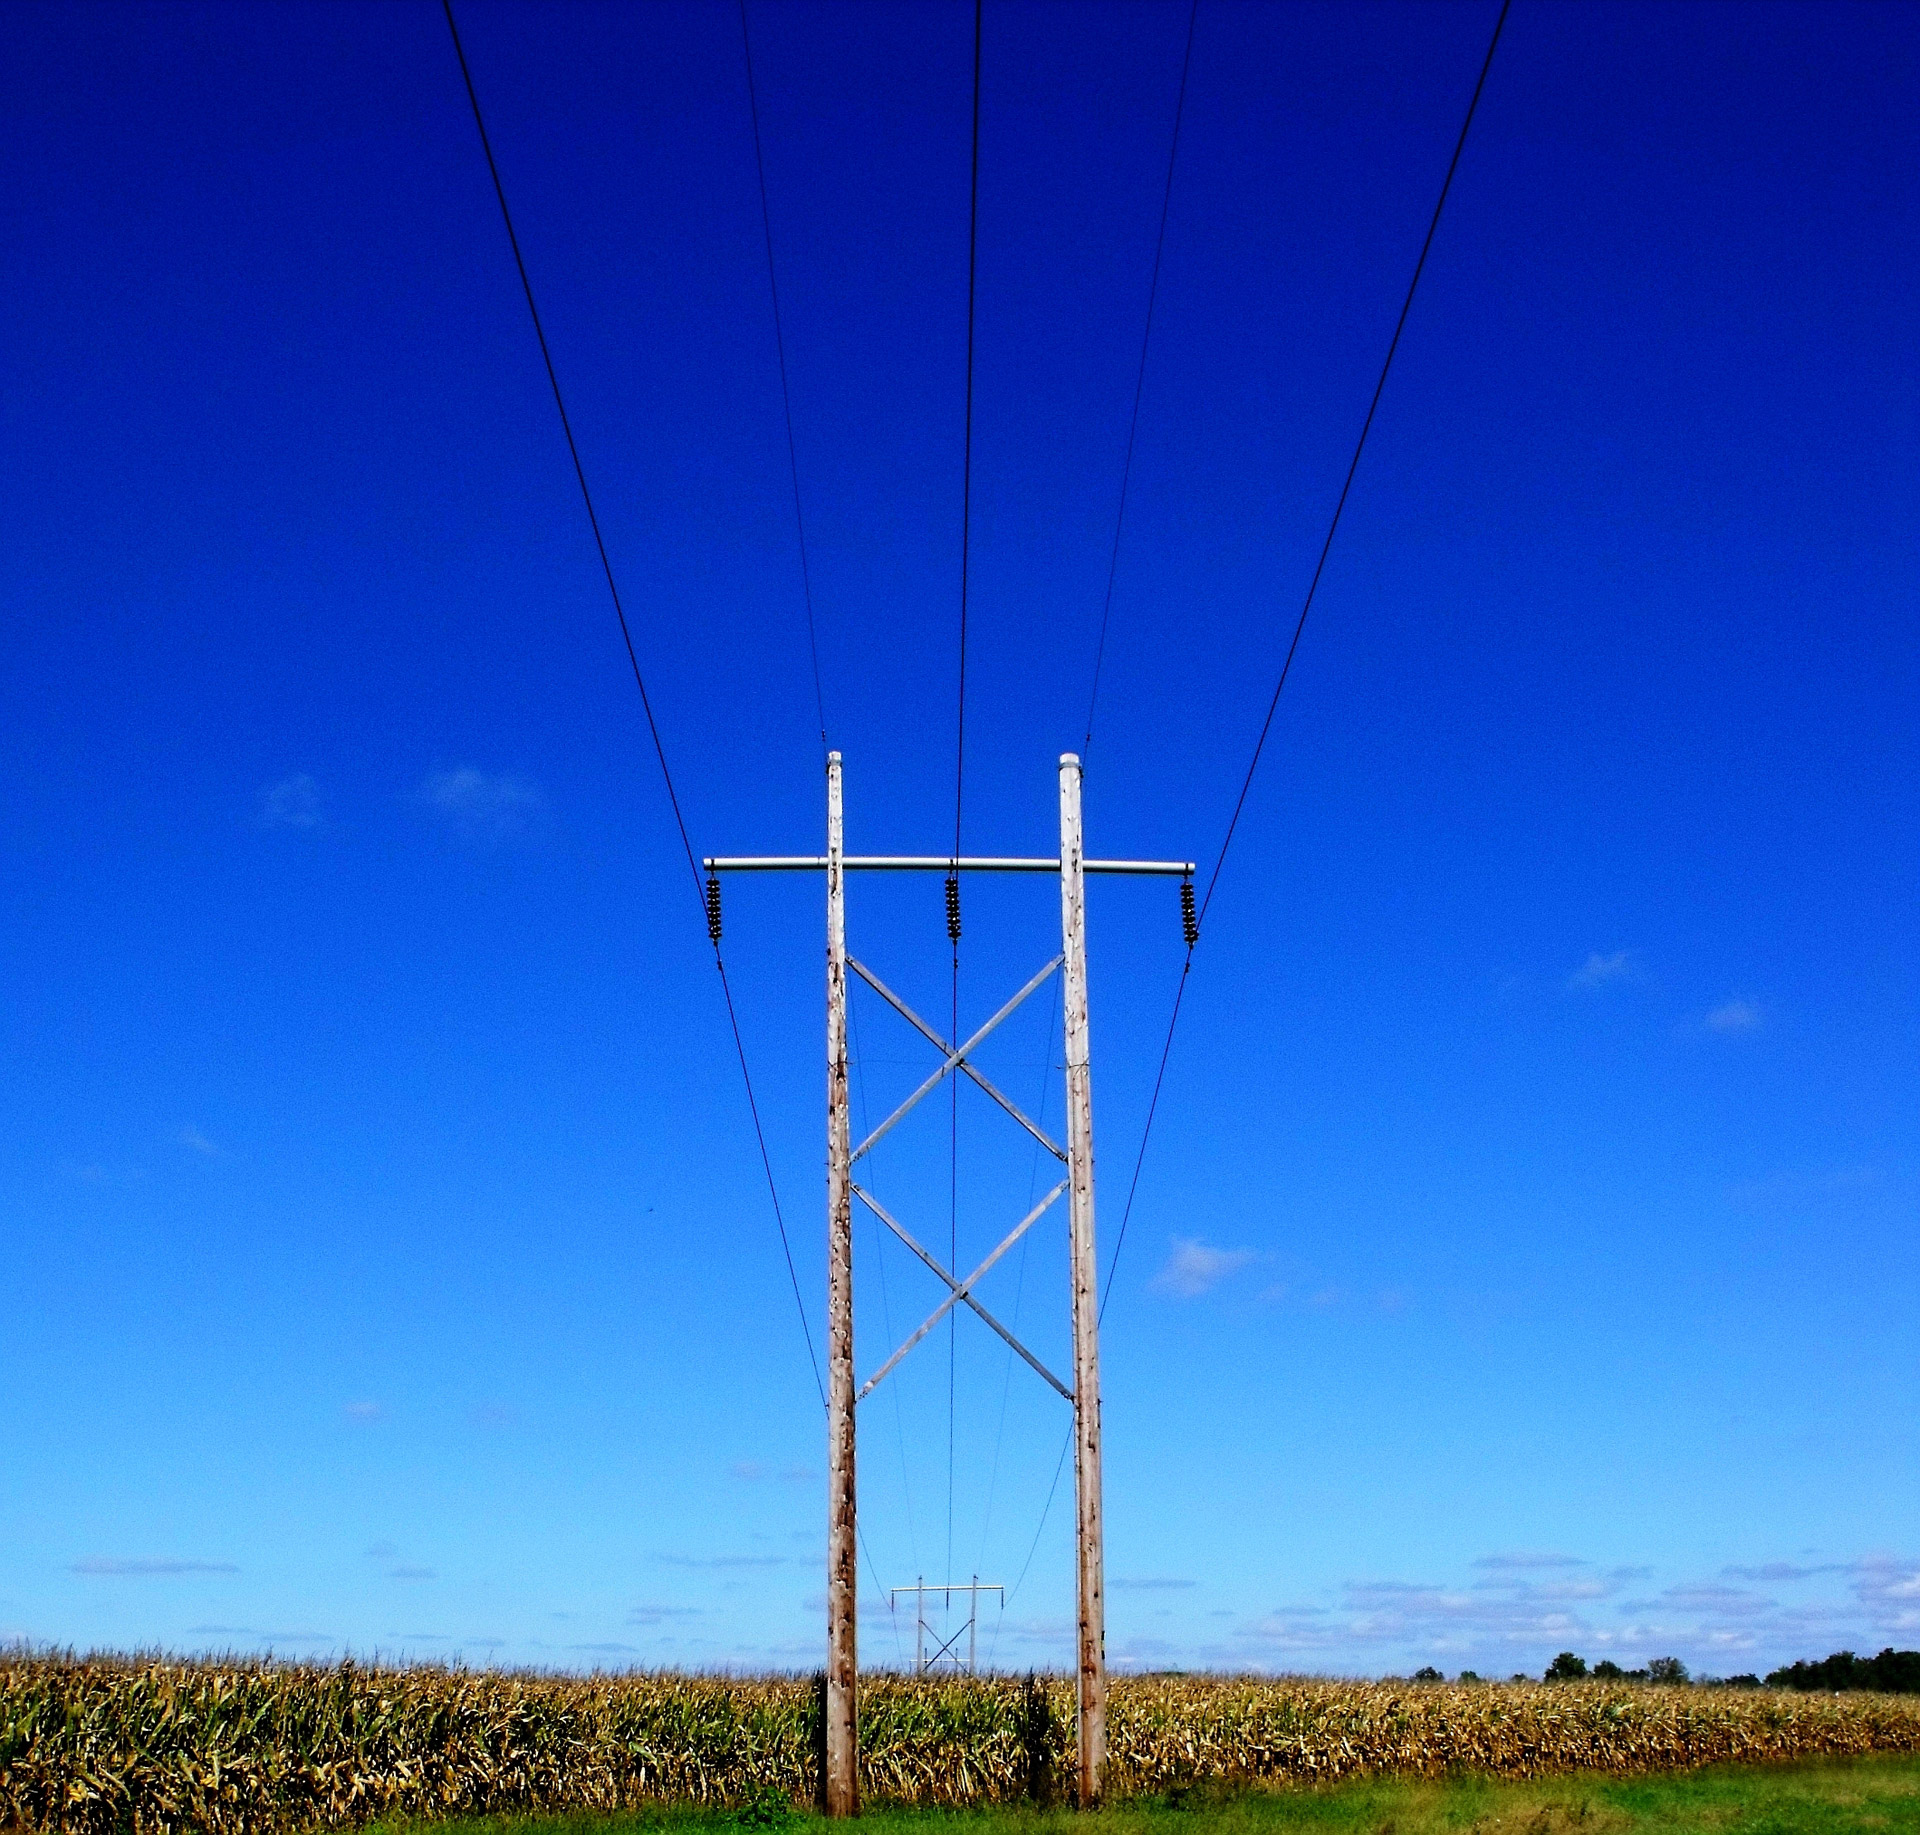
932,1037
954,1058
986,1318
933,863
964,1290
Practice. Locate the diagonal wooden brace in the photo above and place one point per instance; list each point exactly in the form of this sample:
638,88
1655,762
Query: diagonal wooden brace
955,1059
939,1044
959,1294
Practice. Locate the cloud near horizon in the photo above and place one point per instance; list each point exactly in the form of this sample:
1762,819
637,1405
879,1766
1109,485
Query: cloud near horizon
147,1566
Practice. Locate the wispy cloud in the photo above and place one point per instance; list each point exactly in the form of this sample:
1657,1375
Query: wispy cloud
480,808
294,802
1598,970
193,1139
1150,1583
365,1411
1734,1016
262,1637
725,1560
147,1566
660,1615
407,1571
1520,1560
1195,1267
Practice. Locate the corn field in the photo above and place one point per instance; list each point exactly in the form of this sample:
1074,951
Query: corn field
140,1748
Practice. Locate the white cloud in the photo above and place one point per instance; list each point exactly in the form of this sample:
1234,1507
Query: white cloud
193,1138
365,1411
95,1566
1194,1267
480,808
1734,1016
294,802
1598,970
1522,1558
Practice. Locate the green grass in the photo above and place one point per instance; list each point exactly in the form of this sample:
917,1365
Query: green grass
1880,1795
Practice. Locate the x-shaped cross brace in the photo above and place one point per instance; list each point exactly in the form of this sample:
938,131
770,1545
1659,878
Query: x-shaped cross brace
960,1292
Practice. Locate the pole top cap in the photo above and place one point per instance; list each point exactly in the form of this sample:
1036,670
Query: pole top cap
833,758
1070,758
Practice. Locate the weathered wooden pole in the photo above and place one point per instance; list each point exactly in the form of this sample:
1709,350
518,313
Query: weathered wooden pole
1092,1719
842,1783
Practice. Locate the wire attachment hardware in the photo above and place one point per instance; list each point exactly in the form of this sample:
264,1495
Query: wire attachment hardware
1189,921
953,907
713,909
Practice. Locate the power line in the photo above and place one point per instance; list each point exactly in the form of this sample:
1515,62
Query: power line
786,395
1360,446
1139,381
960,768
626,634
1300,625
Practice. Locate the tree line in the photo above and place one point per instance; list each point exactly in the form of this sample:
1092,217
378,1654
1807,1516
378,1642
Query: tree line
1892,1672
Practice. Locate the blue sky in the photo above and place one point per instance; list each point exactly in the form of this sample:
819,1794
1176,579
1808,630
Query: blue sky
1525,1255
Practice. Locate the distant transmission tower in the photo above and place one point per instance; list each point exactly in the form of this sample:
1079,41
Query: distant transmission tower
842,1759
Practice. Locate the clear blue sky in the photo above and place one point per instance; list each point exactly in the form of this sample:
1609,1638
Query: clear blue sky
1525,1257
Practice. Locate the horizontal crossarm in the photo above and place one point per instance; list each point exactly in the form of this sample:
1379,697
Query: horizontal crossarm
932,863
927,1032
986,1318
953,1058
964,1291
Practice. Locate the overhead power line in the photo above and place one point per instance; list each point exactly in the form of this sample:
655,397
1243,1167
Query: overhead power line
1140,380
1300,624
786,394
639,680
960,768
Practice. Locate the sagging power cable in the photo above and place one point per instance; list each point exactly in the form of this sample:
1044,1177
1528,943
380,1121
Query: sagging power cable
960,766
786,394
709,904
1300,625
1140,380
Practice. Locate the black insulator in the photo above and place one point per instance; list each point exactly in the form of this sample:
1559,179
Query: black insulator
953,907
713,908
1189,921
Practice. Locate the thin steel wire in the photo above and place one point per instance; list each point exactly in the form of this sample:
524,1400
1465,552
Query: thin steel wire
786,394
1139,381
1300,625
639,680
960,760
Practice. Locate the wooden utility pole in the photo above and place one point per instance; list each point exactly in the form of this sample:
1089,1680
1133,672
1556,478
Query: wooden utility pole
842,1783
1092,1719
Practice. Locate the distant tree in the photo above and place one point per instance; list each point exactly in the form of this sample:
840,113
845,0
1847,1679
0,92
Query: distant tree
1520,1675
1669,1670
1428,1674
1892,1672
1566,1667
1469,1675
1607,1670
1743,1681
